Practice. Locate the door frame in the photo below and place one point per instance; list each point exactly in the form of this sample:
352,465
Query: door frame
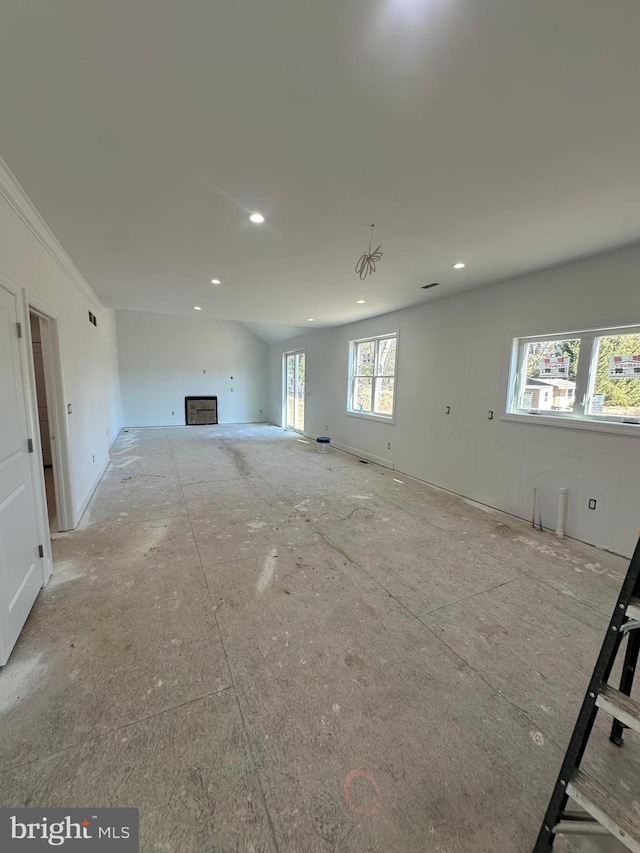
56,409
58,425
285,355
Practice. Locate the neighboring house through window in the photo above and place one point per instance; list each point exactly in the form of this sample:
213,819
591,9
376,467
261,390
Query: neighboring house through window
588,376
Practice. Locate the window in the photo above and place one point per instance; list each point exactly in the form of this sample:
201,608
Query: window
294,390
372,371
590,376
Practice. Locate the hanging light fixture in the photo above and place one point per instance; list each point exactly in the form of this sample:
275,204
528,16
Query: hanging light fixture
367,263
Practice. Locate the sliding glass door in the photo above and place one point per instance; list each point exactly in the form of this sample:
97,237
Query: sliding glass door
294,390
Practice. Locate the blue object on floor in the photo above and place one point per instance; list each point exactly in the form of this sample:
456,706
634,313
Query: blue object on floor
323,442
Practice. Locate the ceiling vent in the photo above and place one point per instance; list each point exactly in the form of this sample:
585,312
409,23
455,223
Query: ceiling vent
433,284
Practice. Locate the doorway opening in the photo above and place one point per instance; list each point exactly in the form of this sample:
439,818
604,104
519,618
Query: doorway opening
294,386
54,496
44,424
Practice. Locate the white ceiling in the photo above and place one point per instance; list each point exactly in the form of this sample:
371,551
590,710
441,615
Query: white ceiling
503,133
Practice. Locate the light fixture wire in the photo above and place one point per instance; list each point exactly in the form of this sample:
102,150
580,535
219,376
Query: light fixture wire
367,263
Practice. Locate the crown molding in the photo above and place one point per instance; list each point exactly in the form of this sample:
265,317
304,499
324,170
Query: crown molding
24,208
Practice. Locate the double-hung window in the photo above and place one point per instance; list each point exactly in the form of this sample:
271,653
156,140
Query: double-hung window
590,376
372,376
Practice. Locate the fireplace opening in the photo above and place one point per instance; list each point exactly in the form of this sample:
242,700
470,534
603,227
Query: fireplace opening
199,411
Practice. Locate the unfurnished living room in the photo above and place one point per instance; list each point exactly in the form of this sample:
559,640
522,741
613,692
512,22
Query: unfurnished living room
320,426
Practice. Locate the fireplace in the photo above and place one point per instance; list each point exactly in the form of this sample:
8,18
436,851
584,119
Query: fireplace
199,411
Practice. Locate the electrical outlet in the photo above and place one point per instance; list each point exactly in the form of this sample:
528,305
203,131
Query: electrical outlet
592,503
388,445
94,458
173,413
490,416
260,411
447,410
69,410
326,428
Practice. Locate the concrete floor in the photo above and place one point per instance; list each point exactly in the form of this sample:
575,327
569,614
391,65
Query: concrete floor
268,649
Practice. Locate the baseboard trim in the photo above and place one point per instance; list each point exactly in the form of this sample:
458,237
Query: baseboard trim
363,454
85,503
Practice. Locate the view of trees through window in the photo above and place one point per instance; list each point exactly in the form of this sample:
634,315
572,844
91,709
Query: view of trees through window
616,396
295,373
373,377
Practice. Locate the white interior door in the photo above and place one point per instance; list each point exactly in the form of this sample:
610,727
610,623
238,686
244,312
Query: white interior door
20,574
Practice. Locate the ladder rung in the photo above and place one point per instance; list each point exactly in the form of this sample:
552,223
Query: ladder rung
620,706
633,608
580,827
621,823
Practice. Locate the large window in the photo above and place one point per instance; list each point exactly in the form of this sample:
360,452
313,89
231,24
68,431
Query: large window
372,372
589,376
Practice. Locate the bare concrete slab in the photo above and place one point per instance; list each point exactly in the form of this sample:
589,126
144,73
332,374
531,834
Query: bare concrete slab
423,566
100,651
150,544
360,687
188,770
268,649
516,636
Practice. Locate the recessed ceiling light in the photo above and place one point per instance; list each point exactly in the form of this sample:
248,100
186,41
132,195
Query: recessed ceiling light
310,320
257,218
197,308
459,266
215,281
360,302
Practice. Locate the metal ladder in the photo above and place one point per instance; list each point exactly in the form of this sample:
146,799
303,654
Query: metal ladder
602,814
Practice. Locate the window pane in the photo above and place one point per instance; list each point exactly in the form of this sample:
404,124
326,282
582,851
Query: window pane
387,357
383,404
616,389
365,355
291,378
362,394
299,407
550,375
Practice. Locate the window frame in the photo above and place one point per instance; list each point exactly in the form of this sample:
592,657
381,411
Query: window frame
353,345
285,355
579,417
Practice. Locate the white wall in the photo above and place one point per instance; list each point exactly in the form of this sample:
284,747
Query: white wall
112,394
31,258
163,359
454,352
